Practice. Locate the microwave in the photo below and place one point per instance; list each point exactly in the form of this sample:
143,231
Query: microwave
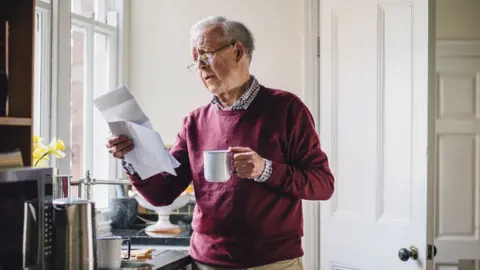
26,223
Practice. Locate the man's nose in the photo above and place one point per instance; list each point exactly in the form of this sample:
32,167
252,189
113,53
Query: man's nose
202,65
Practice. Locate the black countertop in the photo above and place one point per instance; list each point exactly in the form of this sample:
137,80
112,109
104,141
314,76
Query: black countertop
165,260
137,235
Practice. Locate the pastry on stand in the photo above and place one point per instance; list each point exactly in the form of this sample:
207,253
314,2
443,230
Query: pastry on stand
163,227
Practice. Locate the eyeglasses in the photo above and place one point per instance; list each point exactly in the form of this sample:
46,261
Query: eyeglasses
206,57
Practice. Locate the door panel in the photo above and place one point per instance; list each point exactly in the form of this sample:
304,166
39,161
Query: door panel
374,125
457,155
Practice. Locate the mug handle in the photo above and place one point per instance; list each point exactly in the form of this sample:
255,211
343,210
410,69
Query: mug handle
232,164
129,248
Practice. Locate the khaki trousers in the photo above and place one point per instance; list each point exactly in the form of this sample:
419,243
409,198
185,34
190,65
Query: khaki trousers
294,264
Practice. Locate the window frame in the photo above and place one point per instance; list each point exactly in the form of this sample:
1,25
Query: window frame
45,20
91,26
57,123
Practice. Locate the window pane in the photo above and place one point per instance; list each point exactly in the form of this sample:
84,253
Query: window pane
78,86
83,7
101,84
104,11
112,14
37,94
101,11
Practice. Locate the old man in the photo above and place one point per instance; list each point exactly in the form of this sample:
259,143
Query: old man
254,220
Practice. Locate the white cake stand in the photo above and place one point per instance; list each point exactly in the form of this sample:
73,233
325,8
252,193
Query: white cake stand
163,227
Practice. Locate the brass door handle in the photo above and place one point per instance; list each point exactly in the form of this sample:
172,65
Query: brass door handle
405,254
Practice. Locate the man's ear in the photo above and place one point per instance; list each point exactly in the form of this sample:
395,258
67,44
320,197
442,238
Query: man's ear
239,51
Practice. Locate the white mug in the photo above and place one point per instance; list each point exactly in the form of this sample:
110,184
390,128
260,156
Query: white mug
109,251
217,165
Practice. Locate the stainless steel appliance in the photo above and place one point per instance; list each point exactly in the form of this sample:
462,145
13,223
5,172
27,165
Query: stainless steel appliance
61,186
26,218
75,245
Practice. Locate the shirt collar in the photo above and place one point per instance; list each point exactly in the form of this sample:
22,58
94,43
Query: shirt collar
245,99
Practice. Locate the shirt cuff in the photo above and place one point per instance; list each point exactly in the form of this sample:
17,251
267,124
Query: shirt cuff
133,175
267,172
128,168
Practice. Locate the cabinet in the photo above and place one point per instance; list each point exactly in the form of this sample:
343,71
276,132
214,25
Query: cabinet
17,28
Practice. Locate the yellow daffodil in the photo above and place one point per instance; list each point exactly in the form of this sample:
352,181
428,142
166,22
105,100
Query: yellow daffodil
36,139
41,151
40,162
37,142
40,156
59,145
56,147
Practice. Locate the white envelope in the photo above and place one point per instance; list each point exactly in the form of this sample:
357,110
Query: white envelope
125,117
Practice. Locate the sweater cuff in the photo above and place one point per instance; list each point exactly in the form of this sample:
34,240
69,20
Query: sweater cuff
267,172
277,176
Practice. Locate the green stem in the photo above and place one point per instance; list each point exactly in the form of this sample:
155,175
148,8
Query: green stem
40,159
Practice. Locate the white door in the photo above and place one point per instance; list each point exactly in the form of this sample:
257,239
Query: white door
374,126
457,129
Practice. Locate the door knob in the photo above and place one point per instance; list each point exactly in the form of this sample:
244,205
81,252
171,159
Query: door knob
405,254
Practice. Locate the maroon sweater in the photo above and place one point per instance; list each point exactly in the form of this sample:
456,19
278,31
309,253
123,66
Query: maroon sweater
242,223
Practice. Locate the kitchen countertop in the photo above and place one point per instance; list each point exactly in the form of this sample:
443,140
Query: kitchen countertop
166,260
140,237
137,235
169,252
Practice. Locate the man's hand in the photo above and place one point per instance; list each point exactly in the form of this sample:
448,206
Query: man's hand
248,164
119,146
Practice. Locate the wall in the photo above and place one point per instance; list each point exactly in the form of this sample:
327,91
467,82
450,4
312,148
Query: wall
159,52
458,19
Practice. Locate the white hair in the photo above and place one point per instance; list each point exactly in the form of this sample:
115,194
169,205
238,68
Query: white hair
232,31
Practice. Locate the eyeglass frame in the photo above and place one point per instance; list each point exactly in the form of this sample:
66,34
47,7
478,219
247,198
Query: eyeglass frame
208,56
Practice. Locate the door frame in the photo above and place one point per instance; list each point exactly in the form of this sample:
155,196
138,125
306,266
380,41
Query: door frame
446,48
432,48
311,209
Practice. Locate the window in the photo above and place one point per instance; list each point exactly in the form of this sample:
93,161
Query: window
93,73
76,60
102,11
42,94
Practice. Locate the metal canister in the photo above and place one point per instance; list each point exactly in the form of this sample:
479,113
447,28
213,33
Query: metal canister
75,246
